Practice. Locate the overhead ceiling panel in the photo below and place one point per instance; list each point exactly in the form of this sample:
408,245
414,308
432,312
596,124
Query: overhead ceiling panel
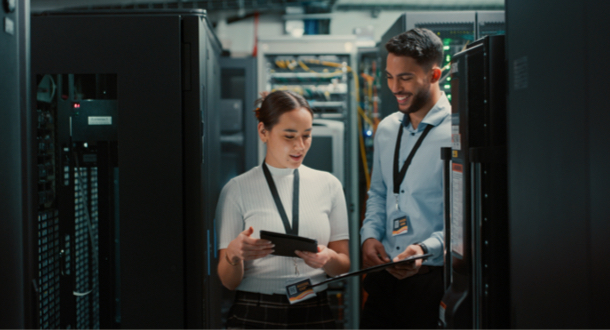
315,5
419,4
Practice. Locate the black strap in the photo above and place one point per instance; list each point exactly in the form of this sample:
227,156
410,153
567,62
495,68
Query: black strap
278,202
400,176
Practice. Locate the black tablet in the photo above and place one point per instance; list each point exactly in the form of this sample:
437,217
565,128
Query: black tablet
285,244
375,268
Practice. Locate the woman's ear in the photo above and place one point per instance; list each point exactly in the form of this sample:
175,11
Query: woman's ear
263,133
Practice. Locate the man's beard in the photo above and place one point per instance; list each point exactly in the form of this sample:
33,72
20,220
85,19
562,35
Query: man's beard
419,100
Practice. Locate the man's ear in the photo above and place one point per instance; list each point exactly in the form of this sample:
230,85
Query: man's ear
436,74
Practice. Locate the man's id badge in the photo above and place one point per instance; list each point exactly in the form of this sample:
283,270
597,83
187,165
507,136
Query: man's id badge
400,223
299,290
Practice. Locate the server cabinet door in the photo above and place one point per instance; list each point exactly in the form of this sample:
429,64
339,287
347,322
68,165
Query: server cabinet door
11,223
143,52
558,188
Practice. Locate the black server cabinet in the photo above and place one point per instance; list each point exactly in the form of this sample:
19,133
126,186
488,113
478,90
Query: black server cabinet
14,62
477,240
127,161
211,183
558,163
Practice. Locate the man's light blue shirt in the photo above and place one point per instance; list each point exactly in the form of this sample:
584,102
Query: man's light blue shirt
421,191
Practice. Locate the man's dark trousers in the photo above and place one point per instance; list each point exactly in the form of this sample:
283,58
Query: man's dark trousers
411,303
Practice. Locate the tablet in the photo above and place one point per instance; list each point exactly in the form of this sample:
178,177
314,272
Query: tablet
285,244
375,268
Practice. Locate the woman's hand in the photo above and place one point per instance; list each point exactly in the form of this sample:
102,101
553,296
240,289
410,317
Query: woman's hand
316,260
334,259
244,247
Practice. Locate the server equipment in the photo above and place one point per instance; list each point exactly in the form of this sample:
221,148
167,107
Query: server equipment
127,153
476,235
238,122
455,28
558,163
369,73
326,151
490,23
15,286
323,70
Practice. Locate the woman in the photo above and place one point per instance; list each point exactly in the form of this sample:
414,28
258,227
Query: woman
247,206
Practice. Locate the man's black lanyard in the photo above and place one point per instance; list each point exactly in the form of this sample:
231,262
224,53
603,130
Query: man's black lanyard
278,202
400,176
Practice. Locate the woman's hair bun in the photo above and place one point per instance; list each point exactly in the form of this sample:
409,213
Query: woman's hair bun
272,105
259,102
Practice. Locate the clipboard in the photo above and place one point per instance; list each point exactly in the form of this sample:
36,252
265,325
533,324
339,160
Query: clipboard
374,268
286,244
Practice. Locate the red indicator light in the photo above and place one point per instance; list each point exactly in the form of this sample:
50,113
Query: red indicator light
76,105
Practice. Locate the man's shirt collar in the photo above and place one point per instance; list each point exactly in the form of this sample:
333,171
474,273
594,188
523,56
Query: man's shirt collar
435,116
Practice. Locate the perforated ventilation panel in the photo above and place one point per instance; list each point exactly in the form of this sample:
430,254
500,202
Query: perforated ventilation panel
86,265
48,269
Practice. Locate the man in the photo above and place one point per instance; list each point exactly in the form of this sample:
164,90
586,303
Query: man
404,214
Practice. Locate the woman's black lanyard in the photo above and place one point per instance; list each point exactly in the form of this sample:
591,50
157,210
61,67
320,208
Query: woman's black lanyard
399,176
294,230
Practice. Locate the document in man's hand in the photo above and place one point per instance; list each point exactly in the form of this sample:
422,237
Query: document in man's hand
285,244
375,268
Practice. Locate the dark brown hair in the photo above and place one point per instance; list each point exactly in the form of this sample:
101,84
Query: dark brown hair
276,104
421,44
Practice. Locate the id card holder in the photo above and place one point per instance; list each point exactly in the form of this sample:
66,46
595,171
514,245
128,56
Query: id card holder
400,223
298,290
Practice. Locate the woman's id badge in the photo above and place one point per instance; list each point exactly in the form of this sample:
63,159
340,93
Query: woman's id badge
298,290
400,223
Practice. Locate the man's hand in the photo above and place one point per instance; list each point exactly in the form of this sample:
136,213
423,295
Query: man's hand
408,269
244,247
373,253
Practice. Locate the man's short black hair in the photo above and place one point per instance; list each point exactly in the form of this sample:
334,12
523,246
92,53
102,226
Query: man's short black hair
421,44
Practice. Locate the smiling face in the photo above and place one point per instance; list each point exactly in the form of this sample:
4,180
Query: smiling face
410,83
289,140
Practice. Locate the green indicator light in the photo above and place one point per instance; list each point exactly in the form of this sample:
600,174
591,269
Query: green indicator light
449,97
448,58
446,47
447,41
448,78
447,86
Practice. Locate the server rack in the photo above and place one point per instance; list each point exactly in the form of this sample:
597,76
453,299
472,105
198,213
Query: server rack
323,70
16,289
477,237
369,117
369,72
239,134
455,28
128,144
490,23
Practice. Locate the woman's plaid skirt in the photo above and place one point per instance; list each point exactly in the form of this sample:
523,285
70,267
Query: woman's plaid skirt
262,311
